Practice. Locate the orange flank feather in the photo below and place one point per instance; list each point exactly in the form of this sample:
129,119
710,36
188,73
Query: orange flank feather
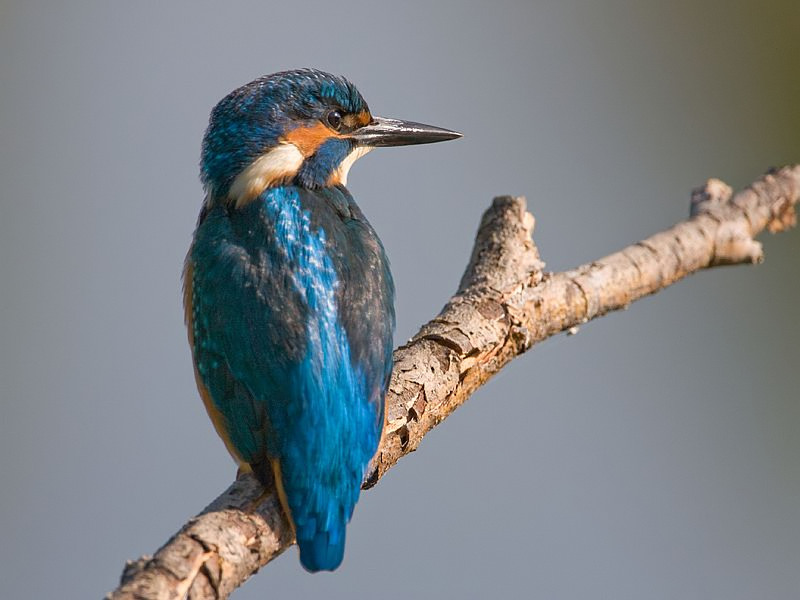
278,476
216,417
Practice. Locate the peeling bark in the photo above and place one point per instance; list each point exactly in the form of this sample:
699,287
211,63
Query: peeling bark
505,304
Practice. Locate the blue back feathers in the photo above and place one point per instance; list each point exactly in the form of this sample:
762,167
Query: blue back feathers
292,321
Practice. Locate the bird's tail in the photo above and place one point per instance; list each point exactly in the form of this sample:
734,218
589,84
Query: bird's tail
320,533
322,550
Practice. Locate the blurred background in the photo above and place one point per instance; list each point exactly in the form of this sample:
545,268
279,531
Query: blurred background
654,455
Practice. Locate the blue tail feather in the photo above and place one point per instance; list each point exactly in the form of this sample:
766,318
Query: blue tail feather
324,550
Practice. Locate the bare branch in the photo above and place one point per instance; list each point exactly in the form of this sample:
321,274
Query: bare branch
504,305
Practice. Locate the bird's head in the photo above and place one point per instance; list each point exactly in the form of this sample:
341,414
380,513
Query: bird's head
302,127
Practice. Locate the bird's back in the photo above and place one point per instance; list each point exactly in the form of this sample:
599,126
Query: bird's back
290,310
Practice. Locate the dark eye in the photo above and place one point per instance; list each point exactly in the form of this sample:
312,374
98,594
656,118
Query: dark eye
334,119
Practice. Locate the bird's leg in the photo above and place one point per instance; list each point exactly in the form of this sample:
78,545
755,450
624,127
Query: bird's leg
371,472
254,504
263,473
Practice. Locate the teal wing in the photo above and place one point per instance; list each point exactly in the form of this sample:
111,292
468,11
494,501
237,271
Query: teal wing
246,328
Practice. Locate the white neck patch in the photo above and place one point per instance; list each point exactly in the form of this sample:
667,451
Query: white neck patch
339,175
281,162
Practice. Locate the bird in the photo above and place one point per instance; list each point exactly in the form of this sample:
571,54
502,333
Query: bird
288,295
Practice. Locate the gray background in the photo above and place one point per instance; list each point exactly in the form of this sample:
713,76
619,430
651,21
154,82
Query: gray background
655,455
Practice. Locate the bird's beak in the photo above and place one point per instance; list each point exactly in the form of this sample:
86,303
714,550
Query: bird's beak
392,132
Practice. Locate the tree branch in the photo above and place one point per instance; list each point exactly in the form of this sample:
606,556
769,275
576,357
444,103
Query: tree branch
504,305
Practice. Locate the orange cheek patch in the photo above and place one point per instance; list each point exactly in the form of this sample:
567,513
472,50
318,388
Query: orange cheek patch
308,139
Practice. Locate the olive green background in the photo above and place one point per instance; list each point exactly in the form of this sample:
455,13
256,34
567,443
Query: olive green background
654,455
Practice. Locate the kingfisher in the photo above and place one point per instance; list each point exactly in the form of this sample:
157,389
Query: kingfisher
288,296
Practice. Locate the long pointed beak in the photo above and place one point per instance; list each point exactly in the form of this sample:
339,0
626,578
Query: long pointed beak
392,132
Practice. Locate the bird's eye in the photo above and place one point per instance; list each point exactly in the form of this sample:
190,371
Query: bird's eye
334,119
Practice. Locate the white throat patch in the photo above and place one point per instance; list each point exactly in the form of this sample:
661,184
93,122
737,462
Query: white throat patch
281,162
339,175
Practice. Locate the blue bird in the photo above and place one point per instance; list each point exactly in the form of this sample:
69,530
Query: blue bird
288,295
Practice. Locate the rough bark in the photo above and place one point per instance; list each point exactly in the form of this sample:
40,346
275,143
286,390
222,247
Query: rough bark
504,305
